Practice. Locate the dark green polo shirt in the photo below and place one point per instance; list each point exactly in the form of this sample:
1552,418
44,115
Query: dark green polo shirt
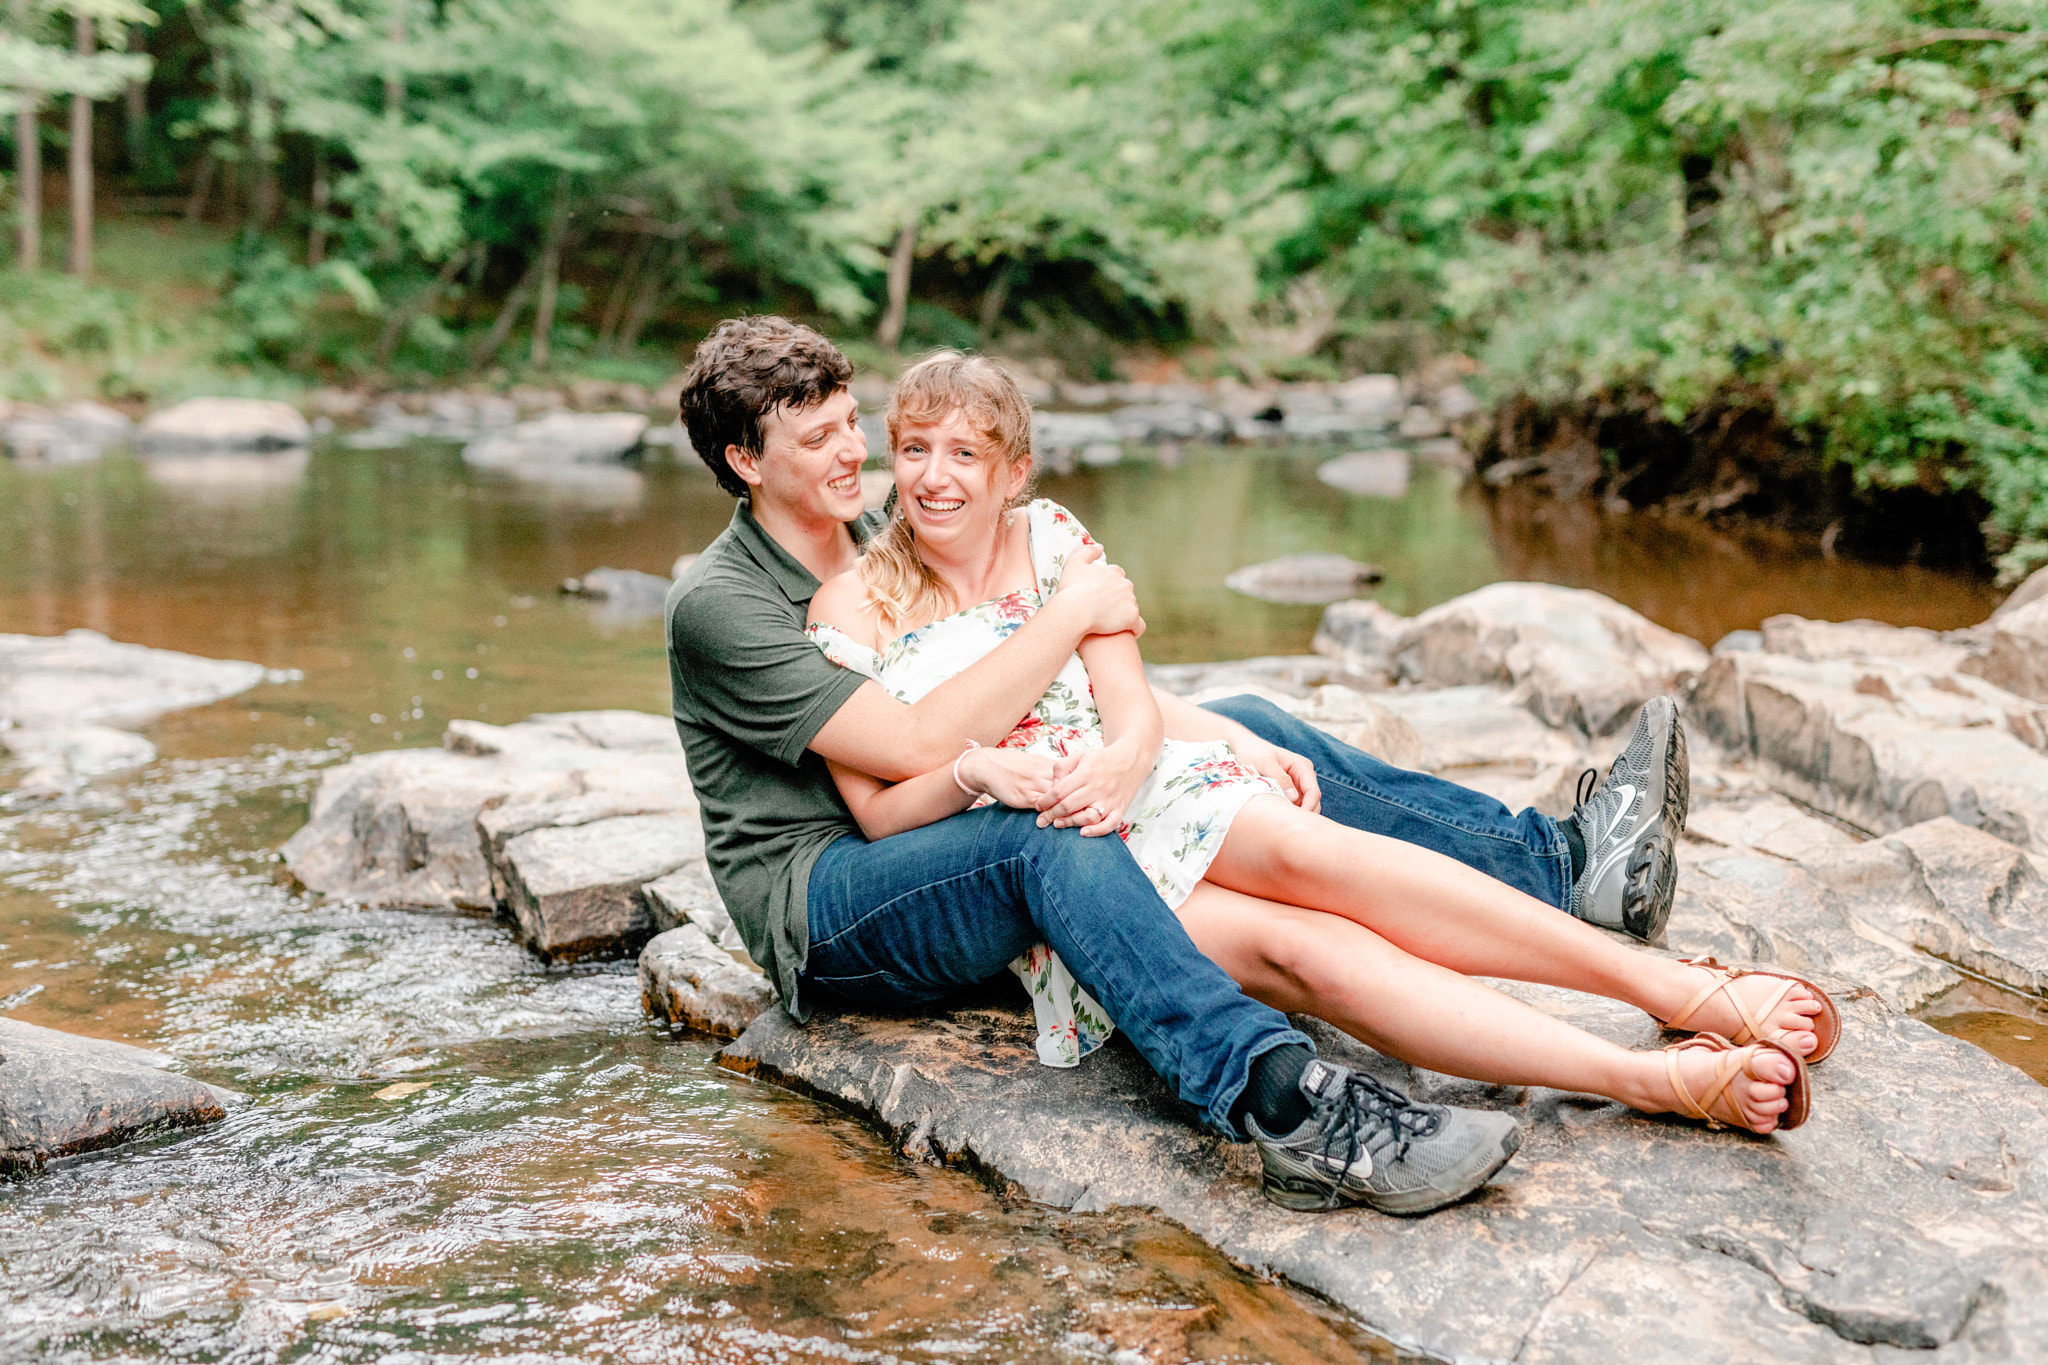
749,692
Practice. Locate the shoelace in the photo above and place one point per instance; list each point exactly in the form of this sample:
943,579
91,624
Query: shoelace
1366,1105
1588,780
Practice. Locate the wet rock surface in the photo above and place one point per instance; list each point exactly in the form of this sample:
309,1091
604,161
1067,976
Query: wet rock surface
62,1094
1310,577
561,438
61,697
69,434
1907,1214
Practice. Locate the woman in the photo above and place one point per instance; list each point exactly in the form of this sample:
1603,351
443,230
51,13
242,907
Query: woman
1375,936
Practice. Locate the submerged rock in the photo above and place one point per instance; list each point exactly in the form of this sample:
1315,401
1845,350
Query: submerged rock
1910,1213
1307,578
2017,657
224,424
61,1094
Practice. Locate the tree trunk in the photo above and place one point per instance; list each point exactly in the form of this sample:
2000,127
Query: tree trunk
550,275
891,330
395,326
202,185
622,291
263,163
80,263
657,287
28,180
135,120
316,227
992,302
509,314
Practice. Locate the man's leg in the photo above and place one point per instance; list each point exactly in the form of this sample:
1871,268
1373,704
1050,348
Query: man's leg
1527,851
908,919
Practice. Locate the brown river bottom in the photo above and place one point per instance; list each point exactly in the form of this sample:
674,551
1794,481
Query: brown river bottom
456,1153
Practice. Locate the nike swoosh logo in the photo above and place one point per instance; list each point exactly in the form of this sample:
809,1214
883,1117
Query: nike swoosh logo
1619,851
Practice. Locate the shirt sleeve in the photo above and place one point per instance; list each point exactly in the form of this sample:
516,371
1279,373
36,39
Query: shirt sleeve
1056,534
746,667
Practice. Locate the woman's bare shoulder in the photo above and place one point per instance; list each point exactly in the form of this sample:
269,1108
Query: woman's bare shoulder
842,603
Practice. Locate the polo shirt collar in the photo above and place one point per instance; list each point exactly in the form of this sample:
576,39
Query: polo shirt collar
798,584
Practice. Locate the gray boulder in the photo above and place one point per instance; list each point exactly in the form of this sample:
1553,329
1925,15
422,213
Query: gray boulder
1181,421
2017,657
1374,395
1582,661
561,438
560,821
577,891
2032,589
61,1094
1910,1214
224,424
689,981
621,594
1309,577
74,432
1368,473
1884,741
1055,432
82,677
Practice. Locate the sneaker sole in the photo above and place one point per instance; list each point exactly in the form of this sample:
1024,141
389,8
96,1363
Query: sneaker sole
1306,1196
1645,919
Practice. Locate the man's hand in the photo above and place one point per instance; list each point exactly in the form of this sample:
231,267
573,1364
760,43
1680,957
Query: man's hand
1105,599
1012,776
1294,775
1094,788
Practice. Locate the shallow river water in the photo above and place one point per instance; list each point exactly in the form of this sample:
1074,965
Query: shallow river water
456,1153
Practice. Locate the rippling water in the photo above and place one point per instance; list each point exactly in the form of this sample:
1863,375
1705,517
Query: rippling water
453,1152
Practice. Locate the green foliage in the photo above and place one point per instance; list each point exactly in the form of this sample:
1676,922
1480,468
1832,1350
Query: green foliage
1829,207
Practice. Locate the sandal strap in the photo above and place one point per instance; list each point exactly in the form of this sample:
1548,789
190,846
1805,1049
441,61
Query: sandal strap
1752,1029
1730,1064
1727,1066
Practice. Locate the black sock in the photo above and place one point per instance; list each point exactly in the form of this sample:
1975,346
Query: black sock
1273,1094
1576,842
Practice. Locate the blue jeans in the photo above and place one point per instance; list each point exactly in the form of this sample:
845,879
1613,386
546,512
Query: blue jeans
1526,851
907,920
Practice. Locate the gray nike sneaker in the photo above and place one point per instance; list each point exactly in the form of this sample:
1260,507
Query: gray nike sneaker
1367,1143
1630,825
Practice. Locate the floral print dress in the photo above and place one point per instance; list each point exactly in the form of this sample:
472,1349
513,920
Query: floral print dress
1176,822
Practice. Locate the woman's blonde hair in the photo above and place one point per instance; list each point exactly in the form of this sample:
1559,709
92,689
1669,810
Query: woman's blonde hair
902,586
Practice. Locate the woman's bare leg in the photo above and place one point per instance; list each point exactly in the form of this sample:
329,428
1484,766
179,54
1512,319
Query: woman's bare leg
1443,912
1313,962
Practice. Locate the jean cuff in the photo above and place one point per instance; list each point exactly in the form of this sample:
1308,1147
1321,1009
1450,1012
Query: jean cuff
1218,1116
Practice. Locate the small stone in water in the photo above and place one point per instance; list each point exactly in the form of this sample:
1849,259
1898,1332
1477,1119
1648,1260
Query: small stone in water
2024,1037
401,1089
469,673
326,1312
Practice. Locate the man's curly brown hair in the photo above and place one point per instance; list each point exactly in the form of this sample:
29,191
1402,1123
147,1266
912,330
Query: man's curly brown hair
745,370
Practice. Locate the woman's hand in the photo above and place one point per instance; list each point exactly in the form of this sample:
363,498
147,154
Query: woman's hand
1094,788
1012,776
1294,775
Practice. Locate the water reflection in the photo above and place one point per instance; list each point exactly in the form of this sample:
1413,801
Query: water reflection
223,477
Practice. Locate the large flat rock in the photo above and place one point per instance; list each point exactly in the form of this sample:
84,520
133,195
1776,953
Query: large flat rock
1910,1214
81,677
61,1094
1884,739
559,821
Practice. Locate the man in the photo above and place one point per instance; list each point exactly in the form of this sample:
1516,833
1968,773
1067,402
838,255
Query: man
908,919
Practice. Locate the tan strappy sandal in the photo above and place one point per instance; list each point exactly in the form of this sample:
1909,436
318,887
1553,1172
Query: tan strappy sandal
1827,1025
1734,1062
